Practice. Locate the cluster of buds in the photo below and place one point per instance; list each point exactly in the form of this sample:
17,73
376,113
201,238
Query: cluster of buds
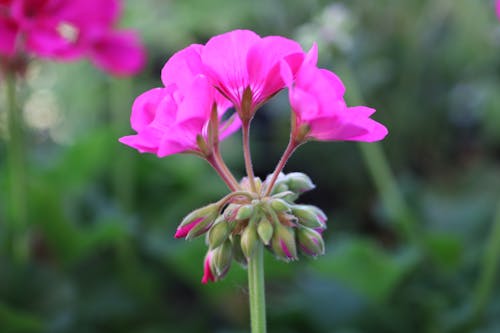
235,225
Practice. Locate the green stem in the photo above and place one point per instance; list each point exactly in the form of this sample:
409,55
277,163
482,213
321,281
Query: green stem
292,145
18,210
486,282
245,127
256,290
387,186
381,173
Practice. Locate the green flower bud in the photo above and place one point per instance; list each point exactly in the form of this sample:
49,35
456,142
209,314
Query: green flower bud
310,242
237,252
279,205
249,240
218,233
283,243
231,211
198,222
244,212
299,182
221,259
308,216
287,196
265,230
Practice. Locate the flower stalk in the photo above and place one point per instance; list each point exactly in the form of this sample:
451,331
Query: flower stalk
256,290
18,213
245,128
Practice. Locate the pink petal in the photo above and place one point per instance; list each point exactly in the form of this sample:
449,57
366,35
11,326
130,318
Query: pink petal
497,5
263,63
119,53
86,13
183,67
225,57
198,101
146,141
145,107
208,276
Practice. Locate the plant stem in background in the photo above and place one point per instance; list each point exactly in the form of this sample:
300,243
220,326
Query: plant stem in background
122,167
245,127
380,171
486,282
256,290
16,155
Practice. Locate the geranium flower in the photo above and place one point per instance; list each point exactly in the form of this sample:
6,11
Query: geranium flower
169,120
243,66
319,110
69,30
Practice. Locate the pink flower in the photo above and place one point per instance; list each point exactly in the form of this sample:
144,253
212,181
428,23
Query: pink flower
69,30
498,8
320,112
8,34
243,66
169,120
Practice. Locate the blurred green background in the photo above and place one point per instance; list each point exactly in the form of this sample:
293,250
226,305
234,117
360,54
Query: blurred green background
412,244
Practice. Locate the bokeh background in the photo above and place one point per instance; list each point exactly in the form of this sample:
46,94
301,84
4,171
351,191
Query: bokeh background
413,242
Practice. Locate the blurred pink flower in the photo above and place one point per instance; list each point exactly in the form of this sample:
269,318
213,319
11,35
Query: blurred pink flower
169,120
320,112
498,8
69,30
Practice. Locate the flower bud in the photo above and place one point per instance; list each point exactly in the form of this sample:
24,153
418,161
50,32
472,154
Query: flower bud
231,211
208,275
279,205
244,212
287,196
218,233
299,182
237,252
283,243
309,216
221,259
310,242
265,230
249,240
197,222
245,184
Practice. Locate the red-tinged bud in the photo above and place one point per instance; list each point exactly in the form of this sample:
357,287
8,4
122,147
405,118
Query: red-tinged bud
208,275
198,222
309,216
283,243
310,242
